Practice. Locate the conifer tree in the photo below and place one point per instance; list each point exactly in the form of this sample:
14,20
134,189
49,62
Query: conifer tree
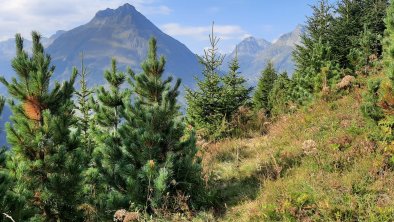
313,53
264,88
84,108
108,154
4,174
85,125
205,104
373,19
378,102
318,30
162,159
279,97
45,152
367,45
236,94
351,19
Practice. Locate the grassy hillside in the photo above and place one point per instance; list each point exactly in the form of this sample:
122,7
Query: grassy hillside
317,164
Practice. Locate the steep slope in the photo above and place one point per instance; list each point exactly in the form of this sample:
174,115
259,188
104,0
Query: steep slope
253,58
122,33
318,164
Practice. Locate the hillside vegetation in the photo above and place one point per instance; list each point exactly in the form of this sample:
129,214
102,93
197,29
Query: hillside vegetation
317,164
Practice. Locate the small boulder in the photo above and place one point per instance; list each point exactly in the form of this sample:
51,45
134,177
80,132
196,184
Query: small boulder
346,82
125,216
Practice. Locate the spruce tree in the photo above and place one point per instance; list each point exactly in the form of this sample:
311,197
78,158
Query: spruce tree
108,155
85,122
313,53
236,94
318,30
45,152
279,98
162,159
205,104
84,109
378,102
367,45
264,88
351,18
373,19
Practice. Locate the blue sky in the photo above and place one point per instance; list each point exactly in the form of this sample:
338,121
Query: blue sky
188,21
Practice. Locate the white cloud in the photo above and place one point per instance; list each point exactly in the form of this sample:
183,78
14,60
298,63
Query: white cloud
23,16
224,32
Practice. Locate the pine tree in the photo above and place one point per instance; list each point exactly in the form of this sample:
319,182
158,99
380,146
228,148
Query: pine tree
205,104
162,159
236,94
46,154
264,87
108,169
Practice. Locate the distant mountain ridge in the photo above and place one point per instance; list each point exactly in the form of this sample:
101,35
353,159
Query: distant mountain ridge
254,54
122,33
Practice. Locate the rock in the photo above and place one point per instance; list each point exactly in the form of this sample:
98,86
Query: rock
120,215
346,82
125,216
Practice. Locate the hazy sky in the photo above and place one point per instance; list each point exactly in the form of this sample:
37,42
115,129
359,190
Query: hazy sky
188,21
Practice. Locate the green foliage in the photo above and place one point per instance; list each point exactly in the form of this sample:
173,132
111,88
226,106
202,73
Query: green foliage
108,169
235,93
313,54
378,102
46,157
369,107
4,172
264,88
279,97
367,45
160,160
84,109
353,18
215,102
205,104
388,51
319,72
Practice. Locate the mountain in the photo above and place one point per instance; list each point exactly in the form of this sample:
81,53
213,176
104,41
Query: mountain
122,33
253,54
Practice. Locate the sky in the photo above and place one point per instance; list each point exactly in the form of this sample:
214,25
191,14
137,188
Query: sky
189,21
